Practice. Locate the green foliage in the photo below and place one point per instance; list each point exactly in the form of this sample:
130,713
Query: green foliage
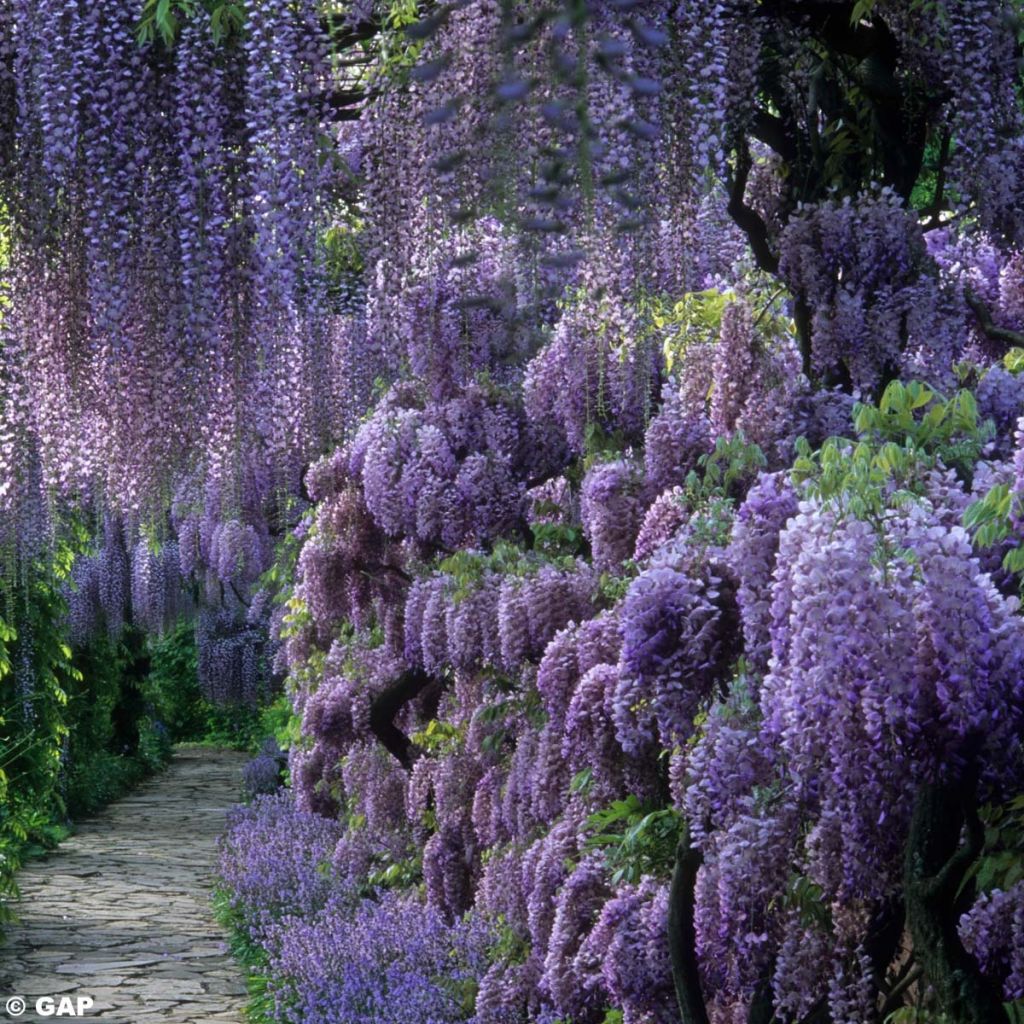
1014,360
990,520
172,689
5,244
439,737
508,946
926,424
556,540
693,319
853,477
389,873
279,579
343,251
232,725
278,719
735,460
861,10
162,19
995,517
612,587
253,959
807,899
399,52
33,722
582,781
1001,864
468,568
601,445
114,735
637,840
696,318
912,431
506,713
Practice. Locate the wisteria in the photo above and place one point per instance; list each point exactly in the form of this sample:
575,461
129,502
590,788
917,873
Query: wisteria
537,588
991,931
586,440
865,316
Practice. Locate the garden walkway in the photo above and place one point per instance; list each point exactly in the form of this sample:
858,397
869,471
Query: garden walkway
121,911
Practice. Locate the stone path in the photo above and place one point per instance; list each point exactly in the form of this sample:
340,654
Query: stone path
121,911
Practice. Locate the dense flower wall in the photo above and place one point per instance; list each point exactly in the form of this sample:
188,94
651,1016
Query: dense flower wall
653,651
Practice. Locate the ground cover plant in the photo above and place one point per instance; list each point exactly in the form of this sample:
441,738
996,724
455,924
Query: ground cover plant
581,442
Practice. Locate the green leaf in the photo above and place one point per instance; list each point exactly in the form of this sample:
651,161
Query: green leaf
1014,560
1014,360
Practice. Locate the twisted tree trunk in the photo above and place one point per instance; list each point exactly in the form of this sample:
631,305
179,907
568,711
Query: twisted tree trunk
936,864
682,938
385,708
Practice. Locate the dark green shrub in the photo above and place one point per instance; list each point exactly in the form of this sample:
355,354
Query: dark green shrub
172,688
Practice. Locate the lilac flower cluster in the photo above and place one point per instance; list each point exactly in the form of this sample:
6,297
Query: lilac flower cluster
387,960
231,663
600,368
862,267
198,183
928,618
445,475
628,942
676,645
271,862
993,932
610,507
674,441
759,521
664,518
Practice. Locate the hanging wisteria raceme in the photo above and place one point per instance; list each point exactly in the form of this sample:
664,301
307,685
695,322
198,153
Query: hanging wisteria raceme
232,658
991,931
610,509
501,328
673,444
172,334
158,592
833,661
676,644
168,211
861,266
751,555
598,372
590,121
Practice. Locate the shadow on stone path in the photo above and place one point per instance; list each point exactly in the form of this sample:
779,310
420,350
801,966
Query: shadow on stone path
121,911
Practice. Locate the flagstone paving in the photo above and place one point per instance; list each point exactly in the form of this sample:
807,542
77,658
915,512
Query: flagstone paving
120,912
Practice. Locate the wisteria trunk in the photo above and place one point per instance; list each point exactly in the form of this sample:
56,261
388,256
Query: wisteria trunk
935,867
682,938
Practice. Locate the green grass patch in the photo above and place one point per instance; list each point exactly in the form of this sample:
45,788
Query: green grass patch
260,1007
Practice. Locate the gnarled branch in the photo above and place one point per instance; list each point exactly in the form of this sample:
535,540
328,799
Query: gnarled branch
987,325
385,707
746,218
682,937
946,836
